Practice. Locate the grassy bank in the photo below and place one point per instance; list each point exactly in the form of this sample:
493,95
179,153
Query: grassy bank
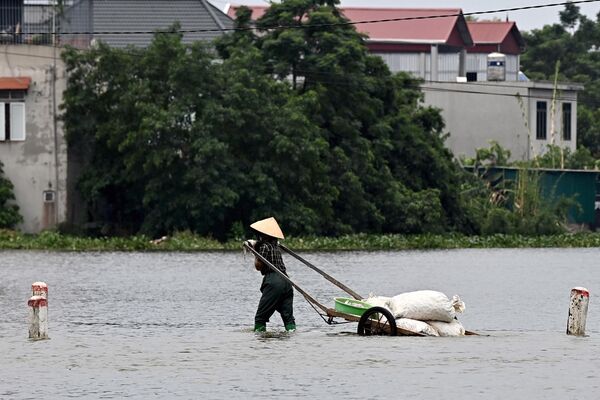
189,242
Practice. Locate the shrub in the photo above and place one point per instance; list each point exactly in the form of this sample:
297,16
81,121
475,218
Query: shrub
9,212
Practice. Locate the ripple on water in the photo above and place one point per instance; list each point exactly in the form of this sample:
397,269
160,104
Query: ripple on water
175,325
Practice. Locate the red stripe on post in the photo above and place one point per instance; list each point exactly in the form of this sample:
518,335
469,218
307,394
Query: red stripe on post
39,287
37,301
582,291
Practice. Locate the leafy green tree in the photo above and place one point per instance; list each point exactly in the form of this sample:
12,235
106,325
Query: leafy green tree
301,123
9,213
569,16
138,115
385,148
279,152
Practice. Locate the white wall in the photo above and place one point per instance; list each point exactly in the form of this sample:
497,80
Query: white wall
419,64
476,113
554,131
39,162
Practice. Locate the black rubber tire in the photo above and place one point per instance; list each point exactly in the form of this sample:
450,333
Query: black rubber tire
383,317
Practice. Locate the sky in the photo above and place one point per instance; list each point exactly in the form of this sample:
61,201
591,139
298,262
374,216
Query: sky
526,20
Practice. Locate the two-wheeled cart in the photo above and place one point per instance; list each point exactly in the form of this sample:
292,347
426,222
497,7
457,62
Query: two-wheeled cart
371,320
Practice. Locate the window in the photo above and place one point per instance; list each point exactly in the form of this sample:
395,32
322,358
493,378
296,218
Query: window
541,120
566,121
12,116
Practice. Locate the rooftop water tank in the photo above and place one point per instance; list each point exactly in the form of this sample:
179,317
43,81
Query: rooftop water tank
496,67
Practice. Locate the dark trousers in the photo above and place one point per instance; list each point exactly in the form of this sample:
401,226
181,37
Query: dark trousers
277,295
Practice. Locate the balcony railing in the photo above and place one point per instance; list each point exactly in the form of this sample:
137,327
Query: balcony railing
45,22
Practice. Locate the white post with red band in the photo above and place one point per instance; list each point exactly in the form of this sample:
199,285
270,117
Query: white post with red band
578,307
38,311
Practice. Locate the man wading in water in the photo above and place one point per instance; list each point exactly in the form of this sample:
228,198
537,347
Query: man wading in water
277,293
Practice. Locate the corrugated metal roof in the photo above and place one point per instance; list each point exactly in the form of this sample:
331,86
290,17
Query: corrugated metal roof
152,15
443,30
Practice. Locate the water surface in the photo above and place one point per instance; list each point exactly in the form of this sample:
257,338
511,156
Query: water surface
178,325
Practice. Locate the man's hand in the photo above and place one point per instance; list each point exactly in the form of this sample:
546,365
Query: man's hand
258,264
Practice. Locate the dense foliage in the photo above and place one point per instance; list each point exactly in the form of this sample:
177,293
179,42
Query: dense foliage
575,45
300,123
9,212
303,124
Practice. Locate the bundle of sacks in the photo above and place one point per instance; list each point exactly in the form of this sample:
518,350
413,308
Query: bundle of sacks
425,311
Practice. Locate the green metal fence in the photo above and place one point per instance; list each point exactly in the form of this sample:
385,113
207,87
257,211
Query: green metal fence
581,185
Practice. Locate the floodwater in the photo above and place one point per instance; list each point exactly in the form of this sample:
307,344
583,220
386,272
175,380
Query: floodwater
178,325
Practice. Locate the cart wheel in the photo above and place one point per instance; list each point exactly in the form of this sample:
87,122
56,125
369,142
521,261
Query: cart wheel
377,321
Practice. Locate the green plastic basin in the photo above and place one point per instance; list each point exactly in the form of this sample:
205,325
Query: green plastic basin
351,306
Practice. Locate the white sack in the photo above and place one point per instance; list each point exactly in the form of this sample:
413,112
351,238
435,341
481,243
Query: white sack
458,304
425,305
416,326
453,328
378,301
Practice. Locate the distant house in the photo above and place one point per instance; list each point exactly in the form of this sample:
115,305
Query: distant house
32,79
432,49
32,144
470,70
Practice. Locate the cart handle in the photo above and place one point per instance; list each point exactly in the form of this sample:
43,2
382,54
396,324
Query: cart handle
325,275
307,296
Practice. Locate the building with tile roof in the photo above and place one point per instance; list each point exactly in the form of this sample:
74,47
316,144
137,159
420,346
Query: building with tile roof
33,148
458,62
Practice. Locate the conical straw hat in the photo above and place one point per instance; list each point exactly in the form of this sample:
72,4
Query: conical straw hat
269,227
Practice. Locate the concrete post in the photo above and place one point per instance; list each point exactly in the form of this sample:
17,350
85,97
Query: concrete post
434,63
38,311
39,289
462,62
578,311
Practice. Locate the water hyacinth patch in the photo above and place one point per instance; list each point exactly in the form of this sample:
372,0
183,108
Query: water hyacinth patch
186,241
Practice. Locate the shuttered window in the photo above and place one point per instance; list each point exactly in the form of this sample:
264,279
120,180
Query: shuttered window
17,121
2,123
566,121
12,121
541,120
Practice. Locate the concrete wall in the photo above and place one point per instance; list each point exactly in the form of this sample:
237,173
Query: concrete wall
39,163
477,113
419,64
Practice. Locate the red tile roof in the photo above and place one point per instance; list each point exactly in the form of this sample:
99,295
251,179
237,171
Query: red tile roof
17,83
503,34
257,11
417,28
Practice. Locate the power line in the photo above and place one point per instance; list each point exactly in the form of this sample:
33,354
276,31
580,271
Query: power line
417,86
325,78
461,90
334,24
